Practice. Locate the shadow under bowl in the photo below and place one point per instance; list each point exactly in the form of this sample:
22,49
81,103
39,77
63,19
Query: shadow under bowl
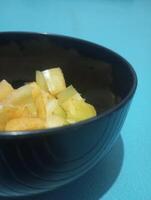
32,162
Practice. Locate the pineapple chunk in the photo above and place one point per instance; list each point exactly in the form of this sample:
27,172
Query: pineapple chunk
55,80
45,103
24,123
55,121
68,93
51,105
31,109
53,108
20,96
5,89
4,115
78,110
40,80
40,98
17,111
35,89
56,116
41,107
59,112
8,112
23,97
2,127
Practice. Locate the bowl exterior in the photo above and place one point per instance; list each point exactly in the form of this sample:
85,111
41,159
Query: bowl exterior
33,165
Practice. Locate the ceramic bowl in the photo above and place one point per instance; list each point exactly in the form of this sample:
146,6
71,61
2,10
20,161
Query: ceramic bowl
33,162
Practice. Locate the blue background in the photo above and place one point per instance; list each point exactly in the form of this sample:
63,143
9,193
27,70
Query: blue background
125,27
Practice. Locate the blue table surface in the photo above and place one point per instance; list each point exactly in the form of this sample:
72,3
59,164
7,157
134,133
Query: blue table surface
125,27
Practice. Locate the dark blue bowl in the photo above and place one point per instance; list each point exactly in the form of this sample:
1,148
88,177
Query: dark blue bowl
32,162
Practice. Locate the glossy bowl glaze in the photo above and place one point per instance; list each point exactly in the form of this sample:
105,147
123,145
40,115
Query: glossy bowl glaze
32,162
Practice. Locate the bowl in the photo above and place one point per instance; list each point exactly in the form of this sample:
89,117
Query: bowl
33,162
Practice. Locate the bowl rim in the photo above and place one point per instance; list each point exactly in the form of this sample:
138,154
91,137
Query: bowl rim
49,131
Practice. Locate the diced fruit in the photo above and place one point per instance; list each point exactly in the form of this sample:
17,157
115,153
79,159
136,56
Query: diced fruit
5,89
47,96
55,80
4,116
35,89
56,116
50,107
69,92
20,96
2,127
32,109
41,104
59,112
45,103
53,108
40,98
41,107
24,123
8,112
17,111
55,121
78,110
40,80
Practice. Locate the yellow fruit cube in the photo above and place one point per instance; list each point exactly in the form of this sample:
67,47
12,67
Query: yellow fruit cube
45,103
55,80
2,127
5,89
4,115
32,109
8,112
35,89
17,111
40,106
20,96
55,121
40,98
68,93
53,108
40,80
59,112
78,110
24,123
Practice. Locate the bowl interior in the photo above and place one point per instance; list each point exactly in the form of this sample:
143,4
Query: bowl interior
93,70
